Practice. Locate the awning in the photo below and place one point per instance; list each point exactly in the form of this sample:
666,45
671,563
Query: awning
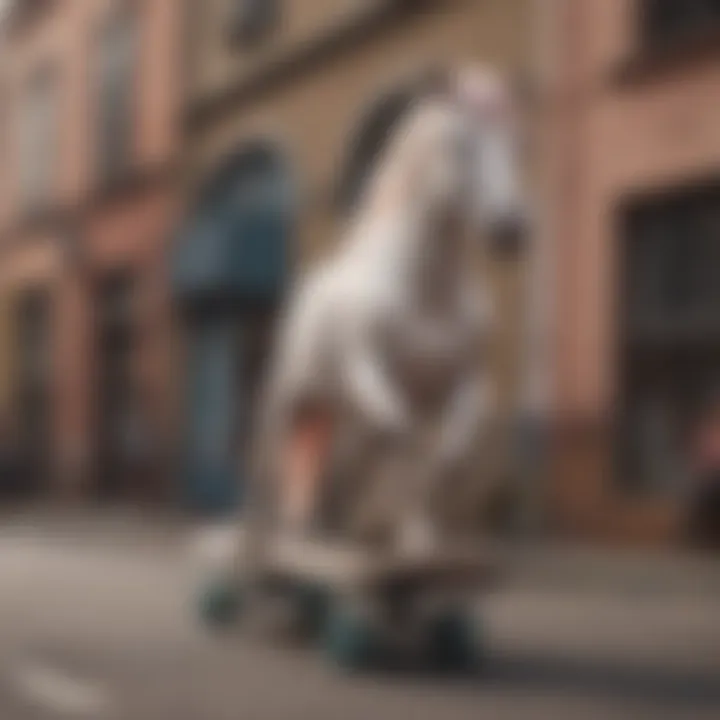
235,250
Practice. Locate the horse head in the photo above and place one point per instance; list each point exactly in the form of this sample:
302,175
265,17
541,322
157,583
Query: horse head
455,156
496,189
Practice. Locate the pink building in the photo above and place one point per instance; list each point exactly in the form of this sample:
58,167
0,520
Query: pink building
89,139
634,133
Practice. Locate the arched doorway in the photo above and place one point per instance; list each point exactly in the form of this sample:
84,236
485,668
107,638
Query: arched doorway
230,269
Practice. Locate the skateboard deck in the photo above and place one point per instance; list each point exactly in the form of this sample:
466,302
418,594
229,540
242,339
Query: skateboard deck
343,565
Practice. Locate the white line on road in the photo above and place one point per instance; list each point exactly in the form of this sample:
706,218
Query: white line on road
60,693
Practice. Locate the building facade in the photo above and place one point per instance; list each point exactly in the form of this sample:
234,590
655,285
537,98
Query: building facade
90,97
306,90
636,220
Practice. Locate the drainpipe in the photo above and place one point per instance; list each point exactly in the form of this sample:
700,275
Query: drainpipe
538,341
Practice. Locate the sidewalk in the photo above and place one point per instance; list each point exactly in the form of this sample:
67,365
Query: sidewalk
555,565
120,527
537,564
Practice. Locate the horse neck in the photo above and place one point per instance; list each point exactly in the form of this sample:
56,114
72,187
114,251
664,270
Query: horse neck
437,260
423,258
405,238
385,231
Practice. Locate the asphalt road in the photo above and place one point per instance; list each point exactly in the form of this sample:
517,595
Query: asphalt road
99,624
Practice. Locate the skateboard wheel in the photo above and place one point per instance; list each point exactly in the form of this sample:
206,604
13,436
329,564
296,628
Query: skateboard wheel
313,606
454,643
220,604
350,640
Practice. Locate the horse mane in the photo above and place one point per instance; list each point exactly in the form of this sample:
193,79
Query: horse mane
390,180
377,130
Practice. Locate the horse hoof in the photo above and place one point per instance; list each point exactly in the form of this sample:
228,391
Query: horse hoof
220,604
454,641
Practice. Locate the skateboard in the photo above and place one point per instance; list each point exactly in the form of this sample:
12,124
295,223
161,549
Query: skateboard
366,609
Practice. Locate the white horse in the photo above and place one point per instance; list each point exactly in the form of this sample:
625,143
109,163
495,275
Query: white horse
390,329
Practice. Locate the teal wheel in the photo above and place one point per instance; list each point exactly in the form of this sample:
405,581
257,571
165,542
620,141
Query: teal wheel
220,604
350,640
455,642
312,604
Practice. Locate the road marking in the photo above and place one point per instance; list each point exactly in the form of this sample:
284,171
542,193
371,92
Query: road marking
59,692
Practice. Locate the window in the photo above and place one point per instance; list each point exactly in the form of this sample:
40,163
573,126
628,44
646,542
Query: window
252,20
117,300
32,387
117,389
670,349
667,21
673,263
38,123
34,349
116,75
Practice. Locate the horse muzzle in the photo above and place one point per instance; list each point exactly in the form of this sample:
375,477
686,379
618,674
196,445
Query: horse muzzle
508,236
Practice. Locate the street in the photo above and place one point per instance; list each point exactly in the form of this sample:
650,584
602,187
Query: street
98,622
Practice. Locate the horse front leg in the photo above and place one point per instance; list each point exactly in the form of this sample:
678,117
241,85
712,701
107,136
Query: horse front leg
305,454
289,458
